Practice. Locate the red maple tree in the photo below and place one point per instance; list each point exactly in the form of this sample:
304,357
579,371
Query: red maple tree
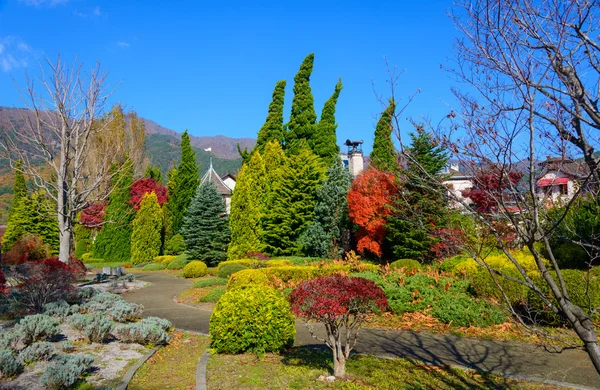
489,186
144,186
368,203
93,216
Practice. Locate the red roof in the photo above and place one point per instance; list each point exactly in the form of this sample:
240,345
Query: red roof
553,182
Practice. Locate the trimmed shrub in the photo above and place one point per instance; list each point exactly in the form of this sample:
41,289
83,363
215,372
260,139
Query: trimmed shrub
571,256
144,333
256,319
247,277
9,365
462,310
408,265
164,259
179,262
213,295
449,264
225,272
86,256
160,322
65,370
154,267
256,255
42,350
37,328
175,245
9,339
67,346
195,269
254,263
146,228
210,282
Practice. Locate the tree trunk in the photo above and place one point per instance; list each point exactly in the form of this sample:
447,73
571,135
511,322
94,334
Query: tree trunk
65,243
339,366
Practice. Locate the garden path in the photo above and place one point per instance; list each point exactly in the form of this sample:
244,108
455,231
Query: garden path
518,360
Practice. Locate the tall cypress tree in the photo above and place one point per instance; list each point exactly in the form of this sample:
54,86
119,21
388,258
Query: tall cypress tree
420,209
19,187
324,142
292,203
302,118
113,241
383,156
272,130
145,236
247,208
186,183
206,227
324,237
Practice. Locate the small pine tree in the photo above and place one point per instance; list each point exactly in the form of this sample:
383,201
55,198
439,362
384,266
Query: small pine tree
147,225
246,209
324,142
420,208
113,242
383,156
324,237
186,183
292,203
303,117
206,227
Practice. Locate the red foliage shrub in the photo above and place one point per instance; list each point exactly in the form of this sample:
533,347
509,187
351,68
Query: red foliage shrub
256,255
368,200
146,186
77,267
489,187
2,283
29,247
450,241
93,216
338,302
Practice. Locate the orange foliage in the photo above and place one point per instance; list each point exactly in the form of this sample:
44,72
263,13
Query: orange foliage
368,201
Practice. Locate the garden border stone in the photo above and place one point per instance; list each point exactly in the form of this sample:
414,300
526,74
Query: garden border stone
201,371
133,369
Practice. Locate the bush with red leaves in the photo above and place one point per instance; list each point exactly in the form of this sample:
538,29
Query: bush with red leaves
338,302
489,187
93,216
29,247
2,283
449,244
256,255
141,187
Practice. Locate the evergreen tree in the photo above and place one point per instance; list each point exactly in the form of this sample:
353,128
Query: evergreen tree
206,227
324,142
383,156
19,187
83,238
167,231
153,172
292,203
147,225
272,130
247,208
420,208
186,183
113,241
324,237
302,118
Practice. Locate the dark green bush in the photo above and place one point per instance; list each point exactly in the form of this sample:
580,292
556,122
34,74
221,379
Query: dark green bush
42,350
37,328
179,262
175,245
571,256
255,318
9,365
462,310
154,267
210,282
224,272
65,370
408,265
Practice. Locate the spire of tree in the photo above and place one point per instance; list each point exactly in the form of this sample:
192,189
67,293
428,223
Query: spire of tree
302,118
324,142
247,208
272,130
186,183
147,225
153,172
206,227
114,239
19,187
383,156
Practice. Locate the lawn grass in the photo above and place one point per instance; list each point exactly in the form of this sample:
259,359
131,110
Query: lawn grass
172,367
301,368
106,264
214,294
209,282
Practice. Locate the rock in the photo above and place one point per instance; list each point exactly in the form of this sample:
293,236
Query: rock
330,378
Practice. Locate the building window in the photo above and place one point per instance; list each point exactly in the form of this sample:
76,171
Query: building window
564,190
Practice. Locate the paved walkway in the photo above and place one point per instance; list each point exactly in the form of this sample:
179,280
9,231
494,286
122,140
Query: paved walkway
505,358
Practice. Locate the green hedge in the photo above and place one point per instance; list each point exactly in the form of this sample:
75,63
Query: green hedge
154,267
179,262
230,269
195,269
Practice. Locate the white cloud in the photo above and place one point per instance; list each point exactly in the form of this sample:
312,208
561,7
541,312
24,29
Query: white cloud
123,45
43,3
96,11
80,14
14,53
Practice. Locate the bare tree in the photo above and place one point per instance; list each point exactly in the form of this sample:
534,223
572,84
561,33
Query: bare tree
55,143
532,73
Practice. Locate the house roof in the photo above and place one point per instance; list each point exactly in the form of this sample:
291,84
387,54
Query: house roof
564,165
229,175
212,177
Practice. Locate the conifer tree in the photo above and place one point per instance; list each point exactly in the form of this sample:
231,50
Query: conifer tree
167,232
292,204
302,118
113,241
383,156
420,208
247,208
324,141
153,172
186,183
206,227
147,225
324,237
19,187
272,130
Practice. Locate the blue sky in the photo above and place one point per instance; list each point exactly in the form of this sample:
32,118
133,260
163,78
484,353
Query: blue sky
211,67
